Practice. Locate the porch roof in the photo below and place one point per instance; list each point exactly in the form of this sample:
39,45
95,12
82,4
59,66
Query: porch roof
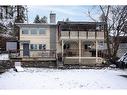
79,26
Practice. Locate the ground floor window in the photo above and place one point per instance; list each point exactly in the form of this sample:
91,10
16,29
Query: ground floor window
42,46
33,46
38,46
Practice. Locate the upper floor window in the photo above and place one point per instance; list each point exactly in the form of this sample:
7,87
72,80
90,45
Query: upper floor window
33,31
25,31
42,31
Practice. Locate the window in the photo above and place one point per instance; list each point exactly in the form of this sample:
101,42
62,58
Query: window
33,46
33,31
42,31
42,46
25,31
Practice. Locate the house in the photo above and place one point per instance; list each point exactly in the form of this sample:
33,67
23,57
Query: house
80,42
67,42
122,46
38,40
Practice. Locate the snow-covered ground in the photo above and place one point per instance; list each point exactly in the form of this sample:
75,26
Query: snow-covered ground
42,78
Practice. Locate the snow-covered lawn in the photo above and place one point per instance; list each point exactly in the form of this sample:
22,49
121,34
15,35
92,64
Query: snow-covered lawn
42,78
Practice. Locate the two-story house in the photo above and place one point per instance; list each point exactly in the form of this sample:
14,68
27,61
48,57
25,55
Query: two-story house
38,40
68,42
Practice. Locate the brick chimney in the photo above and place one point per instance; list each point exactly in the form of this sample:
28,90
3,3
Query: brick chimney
52,17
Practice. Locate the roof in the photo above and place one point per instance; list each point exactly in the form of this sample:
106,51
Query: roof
79,26
34,24
78,22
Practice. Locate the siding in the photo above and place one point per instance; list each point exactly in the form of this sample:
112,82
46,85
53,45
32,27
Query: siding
52,37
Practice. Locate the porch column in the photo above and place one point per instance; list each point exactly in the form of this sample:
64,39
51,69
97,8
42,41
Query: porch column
62,50
96,50
80,51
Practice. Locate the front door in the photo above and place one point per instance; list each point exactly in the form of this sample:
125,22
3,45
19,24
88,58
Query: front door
26,51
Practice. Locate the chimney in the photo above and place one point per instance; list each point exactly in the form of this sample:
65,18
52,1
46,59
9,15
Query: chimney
52,17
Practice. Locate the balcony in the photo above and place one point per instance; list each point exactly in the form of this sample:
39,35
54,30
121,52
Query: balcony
100,35
82,35
73,35
91,35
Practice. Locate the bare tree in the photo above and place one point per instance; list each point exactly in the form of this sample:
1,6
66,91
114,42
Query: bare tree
105,15
115,18
118,26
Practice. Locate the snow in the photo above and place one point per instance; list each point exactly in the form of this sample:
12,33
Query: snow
18,67
43,78
4,57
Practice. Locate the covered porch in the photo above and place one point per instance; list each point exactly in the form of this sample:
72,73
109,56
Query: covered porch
81,51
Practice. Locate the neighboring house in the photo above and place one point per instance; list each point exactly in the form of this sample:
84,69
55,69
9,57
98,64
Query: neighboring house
4,39
122,46
11,46
80,42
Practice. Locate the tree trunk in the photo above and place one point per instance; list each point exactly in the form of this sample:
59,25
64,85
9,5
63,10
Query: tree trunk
107,40
116,47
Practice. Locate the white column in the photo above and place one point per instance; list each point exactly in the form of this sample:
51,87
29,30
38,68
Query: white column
96,50
79,51
62,49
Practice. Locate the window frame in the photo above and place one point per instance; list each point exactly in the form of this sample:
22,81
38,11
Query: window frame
43,32
25,31
33,47
34,31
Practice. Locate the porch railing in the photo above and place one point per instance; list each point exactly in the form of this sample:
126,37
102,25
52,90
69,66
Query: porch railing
71,53
84,53
35,53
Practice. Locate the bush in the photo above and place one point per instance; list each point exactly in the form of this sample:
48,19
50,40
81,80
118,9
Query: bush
2,69
5,64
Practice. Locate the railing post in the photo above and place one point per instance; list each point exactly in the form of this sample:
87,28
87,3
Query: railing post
79,51
96,50
62,50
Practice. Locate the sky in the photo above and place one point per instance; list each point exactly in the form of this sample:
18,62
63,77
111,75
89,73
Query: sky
73,12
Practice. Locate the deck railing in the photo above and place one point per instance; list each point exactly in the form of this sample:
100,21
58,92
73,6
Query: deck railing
34,54
82,34
84,53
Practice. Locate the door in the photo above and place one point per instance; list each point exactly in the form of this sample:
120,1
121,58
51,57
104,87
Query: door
26,51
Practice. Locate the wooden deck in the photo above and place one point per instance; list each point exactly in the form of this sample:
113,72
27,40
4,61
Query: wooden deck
39,55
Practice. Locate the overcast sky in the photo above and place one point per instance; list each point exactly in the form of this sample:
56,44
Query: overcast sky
74,13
